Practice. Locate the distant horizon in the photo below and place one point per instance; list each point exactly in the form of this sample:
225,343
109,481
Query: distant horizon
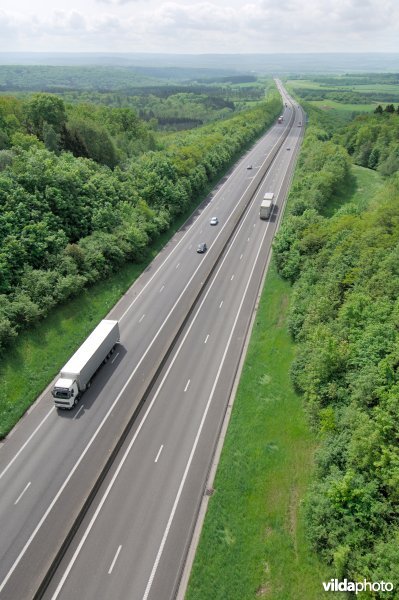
267,63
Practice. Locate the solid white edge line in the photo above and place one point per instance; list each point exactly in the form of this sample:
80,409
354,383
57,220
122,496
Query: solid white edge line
194,447
159,453
22,493
142,290
86,449
180,595
179,492
27,442
114,561
142,422
220,191
115,357
85,535
104,419
84,452
81,408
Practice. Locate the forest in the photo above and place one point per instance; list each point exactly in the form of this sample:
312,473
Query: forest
347,96
176,107
122,79
85,188
170,99
344,269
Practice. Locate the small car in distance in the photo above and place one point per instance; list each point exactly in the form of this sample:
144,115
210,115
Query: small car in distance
201,248
214,221
249,167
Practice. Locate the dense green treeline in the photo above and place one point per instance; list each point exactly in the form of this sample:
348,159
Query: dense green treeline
67,221
345,320
373,140
173,107
130,97
107,135
170,99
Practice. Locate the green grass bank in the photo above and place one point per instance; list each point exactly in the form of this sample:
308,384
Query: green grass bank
253,543
361,187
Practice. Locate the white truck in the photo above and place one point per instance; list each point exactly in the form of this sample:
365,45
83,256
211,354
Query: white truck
266,207
75,377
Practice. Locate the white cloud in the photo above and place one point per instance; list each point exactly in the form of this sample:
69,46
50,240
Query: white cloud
198,16
200,25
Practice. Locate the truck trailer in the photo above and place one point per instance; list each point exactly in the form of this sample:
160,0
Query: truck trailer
267,206
75,377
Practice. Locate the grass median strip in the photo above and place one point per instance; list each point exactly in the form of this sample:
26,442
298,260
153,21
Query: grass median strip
253,543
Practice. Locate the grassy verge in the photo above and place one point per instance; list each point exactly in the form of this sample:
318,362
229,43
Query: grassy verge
342,107
360,189
38,353
253,543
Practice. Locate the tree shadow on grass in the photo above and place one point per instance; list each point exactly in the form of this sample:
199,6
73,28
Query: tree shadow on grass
344,194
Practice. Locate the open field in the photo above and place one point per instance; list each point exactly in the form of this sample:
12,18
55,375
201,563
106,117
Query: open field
333,105
344,94
317,85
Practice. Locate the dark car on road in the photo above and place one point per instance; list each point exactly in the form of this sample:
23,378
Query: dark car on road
201,248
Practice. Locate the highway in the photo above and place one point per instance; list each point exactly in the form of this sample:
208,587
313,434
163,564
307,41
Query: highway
143,513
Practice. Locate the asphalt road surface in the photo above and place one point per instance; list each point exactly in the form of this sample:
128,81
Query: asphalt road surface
133,539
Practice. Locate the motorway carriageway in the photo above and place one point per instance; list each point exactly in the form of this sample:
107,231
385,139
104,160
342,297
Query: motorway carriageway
35,514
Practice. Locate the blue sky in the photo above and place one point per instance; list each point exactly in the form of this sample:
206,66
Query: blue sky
196,26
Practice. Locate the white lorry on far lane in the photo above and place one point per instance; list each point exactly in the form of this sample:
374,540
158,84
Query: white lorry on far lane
75,377
266,207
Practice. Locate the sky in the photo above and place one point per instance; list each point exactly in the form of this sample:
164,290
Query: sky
199,26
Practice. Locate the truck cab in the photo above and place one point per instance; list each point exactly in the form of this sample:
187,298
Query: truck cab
65,393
